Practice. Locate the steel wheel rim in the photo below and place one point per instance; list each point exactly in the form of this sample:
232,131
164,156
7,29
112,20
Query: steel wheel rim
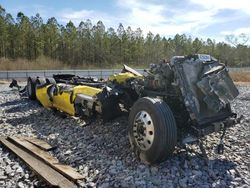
143,130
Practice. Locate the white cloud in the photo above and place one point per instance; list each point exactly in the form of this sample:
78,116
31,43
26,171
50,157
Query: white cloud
77,16
241,5
197,18
245,30
164,18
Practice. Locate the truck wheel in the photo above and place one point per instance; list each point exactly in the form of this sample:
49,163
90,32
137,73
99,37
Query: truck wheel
152,130
40,82
50,81
31,88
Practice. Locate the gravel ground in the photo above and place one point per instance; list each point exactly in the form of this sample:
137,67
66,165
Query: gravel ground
101,152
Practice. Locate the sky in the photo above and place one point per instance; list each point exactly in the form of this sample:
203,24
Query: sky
196,18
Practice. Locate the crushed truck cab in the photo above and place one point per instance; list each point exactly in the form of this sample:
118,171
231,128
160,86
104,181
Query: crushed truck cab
171,101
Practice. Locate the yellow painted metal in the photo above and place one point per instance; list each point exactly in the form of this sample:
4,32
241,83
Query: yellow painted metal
87,90
42,96
64,100
122,77
61,101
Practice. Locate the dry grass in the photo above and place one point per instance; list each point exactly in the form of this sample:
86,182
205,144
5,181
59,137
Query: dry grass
242,83
22,64
4,81
240,76
45,63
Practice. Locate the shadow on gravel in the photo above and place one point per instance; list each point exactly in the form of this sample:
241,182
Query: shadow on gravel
109,139
32,118
245,98
19,108
10,103
19,105
11,92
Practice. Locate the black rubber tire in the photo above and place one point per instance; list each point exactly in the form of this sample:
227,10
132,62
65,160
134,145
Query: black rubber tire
40,82
165,138
50,81
31,88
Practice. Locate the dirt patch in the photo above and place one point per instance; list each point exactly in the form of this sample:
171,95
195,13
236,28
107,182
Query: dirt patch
4,81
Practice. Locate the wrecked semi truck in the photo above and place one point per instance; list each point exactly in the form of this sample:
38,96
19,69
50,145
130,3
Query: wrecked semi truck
186,97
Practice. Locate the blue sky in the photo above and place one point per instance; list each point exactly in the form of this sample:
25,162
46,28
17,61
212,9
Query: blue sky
198,18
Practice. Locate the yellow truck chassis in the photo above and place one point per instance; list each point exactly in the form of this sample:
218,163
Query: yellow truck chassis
184,99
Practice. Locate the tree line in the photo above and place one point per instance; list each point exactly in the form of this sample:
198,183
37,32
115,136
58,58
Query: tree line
96,45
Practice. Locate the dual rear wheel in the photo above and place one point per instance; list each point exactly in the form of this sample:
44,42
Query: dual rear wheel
152,130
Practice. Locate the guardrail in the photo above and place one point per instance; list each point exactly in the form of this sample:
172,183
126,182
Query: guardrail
239,69
99,73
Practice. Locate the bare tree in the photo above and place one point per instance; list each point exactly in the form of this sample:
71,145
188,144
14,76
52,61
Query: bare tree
235,40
